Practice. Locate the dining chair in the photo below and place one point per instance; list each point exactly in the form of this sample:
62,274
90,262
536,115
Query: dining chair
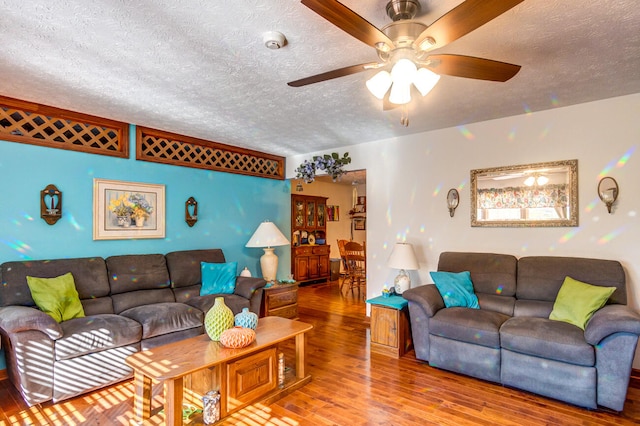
356,264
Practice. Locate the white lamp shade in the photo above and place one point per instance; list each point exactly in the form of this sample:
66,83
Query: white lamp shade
403,71
425,80
400,93
379,84
403,257
267,235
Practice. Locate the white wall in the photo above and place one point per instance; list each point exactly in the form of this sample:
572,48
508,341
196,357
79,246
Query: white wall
408,179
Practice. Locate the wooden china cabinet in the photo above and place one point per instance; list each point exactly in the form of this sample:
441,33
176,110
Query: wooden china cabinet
309,250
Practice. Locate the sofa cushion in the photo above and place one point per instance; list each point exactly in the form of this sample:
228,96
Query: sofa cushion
540,277
184,265
96,333
549,339
90,276
137,272
477,326
577,302
138,279
218,278
491,273
532,308
456,289
57,296
162,318
233,302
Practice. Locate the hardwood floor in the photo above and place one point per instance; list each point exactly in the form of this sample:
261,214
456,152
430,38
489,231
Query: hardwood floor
350,387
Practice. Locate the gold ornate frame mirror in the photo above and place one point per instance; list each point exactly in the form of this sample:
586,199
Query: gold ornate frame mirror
527,195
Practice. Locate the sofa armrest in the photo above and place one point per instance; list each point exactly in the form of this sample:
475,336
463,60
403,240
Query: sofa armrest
426,296
14,319
247,286
609,320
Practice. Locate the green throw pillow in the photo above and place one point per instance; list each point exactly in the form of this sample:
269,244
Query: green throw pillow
577,301
218,278
57,297
456,289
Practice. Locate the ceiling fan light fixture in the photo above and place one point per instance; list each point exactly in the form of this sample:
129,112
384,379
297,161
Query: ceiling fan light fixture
400,93
379,84
425,80
403,71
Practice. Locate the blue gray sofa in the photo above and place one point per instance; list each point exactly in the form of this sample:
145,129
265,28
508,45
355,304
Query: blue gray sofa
130,302
511,340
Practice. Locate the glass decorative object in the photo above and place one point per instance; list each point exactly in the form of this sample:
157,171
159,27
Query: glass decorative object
280,370
211,407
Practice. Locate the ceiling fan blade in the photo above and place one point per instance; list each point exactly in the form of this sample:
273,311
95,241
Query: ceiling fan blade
463,19
329,75
347,20
472,67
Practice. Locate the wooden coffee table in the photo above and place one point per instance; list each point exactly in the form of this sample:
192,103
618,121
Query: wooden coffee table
243,376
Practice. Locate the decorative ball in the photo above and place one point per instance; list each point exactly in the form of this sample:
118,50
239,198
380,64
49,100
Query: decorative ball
246,319
237,337
245,272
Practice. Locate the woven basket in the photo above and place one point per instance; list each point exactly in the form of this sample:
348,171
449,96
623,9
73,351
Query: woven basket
237,337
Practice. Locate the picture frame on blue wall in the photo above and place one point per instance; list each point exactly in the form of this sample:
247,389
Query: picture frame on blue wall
127,210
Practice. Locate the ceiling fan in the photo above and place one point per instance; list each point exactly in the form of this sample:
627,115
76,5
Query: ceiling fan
404,46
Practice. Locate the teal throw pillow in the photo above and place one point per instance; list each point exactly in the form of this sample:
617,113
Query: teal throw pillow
57,296
218,278
577,302
456,289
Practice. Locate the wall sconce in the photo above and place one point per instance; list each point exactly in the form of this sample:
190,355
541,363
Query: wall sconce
453,199
191,211
51,204
608,191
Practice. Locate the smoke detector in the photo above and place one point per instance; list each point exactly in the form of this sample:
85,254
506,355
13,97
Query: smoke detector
273,39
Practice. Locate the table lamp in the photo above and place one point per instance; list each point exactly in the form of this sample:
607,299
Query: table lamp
403,258
268,236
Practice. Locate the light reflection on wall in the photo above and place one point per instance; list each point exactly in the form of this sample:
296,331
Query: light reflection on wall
619,163
20,247
437,190
592,205
569,235
610,236
466,133
72,220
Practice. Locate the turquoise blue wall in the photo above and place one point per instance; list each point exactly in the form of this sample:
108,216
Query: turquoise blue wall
230,207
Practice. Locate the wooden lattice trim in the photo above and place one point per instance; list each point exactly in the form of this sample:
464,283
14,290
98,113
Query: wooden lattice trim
37,124
168,148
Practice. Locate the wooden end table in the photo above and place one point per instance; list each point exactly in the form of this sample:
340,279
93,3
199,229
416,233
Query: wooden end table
243,376
390,326
280,299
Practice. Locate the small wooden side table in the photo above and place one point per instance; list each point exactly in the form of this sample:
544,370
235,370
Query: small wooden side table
390,326
281,300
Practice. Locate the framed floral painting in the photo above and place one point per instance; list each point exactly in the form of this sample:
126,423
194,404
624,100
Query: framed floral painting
127,210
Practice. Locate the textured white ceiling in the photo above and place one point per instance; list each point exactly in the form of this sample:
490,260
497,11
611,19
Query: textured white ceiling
200,68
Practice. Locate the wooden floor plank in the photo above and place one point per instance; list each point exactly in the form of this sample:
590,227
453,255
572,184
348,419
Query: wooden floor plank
350,387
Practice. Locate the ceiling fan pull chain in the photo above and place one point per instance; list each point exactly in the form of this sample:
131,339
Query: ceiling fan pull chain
404,118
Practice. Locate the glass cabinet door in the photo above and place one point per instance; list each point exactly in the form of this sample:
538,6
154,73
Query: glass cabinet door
299,213
321,215
311,214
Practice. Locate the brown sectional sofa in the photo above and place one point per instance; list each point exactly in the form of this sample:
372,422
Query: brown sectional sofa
131,303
